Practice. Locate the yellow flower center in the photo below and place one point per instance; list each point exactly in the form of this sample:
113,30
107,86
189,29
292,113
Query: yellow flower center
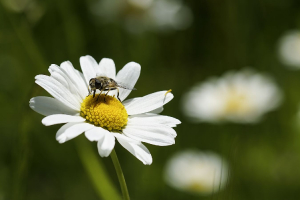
106,112
198,187
237,103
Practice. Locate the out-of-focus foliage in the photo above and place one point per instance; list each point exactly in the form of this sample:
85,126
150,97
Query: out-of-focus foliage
264,158
138,16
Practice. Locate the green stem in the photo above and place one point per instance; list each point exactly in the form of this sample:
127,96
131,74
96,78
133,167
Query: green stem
121,178
96,172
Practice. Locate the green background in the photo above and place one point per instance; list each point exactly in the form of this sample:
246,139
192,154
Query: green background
264,158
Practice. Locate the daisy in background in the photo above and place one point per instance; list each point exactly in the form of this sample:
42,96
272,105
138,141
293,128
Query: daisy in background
240,97
197,172
289,49
141,15
131,122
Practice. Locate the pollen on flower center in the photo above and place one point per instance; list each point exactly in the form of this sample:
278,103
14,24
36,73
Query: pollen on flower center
109,113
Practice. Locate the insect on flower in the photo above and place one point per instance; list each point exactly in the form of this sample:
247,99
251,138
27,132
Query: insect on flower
131,122
104,83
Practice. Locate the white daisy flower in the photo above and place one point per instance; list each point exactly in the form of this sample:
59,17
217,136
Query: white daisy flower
141,15
289,49
131,122
197,172
241,97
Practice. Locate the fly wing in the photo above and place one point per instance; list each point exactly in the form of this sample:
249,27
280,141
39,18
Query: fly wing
121,85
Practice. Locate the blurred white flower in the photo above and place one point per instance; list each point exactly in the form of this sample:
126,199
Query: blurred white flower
142,15
241,97
289,49
198,172
143,4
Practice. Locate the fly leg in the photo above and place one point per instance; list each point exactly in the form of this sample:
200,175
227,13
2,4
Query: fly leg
118,94
99,94
106,94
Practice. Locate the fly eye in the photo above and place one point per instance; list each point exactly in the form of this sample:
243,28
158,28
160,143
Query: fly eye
98,83
92,82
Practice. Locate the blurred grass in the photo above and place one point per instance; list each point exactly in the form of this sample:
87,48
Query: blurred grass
264,158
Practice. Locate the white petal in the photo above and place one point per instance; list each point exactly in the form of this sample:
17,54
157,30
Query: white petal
49,106
76,79
129,102
82,76
61,118
160,135
61,76
89,67
136,148
150,118
58,91
95,134
106,144
128,76
107,68
71,130
157,110
50,69
149,102
57,76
